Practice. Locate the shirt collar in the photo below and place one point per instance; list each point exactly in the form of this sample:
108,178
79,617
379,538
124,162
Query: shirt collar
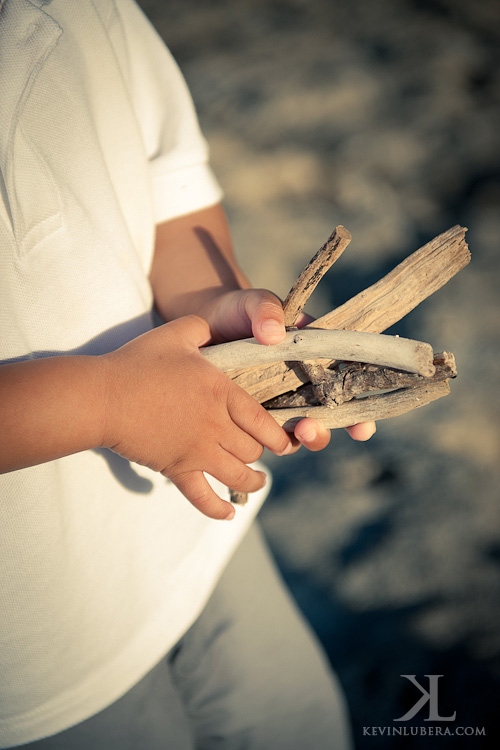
27,36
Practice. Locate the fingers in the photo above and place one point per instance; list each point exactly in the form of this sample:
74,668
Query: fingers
195,487
265,312
312,434
253,419
362,431
295,445
230,471
191,329
235,474
303,320
241,445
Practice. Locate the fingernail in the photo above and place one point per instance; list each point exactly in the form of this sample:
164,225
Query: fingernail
230,514
272,328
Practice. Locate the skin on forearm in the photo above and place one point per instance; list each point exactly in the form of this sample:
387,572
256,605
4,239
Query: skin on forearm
49,408
53,407
193,262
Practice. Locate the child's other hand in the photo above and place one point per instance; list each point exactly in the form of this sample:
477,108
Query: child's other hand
241,313
257,312
170,409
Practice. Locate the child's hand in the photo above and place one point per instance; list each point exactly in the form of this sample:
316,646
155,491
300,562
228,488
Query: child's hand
170,409
257,312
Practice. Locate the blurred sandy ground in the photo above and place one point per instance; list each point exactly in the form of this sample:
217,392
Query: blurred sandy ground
382,115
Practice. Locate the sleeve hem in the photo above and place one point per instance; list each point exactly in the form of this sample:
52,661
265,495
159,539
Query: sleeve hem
183,191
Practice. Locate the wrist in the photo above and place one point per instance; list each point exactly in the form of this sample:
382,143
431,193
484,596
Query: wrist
83,401
107,394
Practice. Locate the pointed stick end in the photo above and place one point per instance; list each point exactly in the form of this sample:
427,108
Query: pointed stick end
343,233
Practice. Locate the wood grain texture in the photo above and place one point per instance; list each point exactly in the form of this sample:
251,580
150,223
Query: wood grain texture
311,343
384,406
373,310
337,386
314,272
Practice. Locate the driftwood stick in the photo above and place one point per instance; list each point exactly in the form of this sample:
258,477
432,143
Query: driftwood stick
238,498
313,273
354,379
309,343
374,310
307,283
357,379
317,374
384,406
400,291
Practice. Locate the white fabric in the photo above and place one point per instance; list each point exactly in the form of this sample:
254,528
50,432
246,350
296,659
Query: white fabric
103,564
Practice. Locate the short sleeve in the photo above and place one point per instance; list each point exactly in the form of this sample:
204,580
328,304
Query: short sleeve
181,178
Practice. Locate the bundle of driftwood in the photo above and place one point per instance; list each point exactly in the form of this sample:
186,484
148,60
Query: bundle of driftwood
326,369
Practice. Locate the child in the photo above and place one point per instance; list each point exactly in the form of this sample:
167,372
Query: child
121,619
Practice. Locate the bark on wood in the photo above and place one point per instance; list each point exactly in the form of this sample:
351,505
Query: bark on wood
354,379
239,498
373,310
375,408
307,283
313,273
311,343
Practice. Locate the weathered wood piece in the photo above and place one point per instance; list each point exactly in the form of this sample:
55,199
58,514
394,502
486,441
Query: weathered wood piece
371,311
400,291
354,379
374,408
305,285
313,273
238,498
310,343
374,309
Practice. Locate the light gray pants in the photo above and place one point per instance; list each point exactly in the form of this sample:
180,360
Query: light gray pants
248,675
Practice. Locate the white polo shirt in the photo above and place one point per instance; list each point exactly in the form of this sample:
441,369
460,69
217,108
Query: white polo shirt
103,564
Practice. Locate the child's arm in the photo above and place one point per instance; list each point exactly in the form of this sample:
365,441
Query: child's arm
49,408
155,400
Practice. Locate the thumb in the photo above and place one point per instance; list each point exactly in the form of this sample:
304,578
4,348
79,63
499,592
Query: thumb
265,312
192,329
